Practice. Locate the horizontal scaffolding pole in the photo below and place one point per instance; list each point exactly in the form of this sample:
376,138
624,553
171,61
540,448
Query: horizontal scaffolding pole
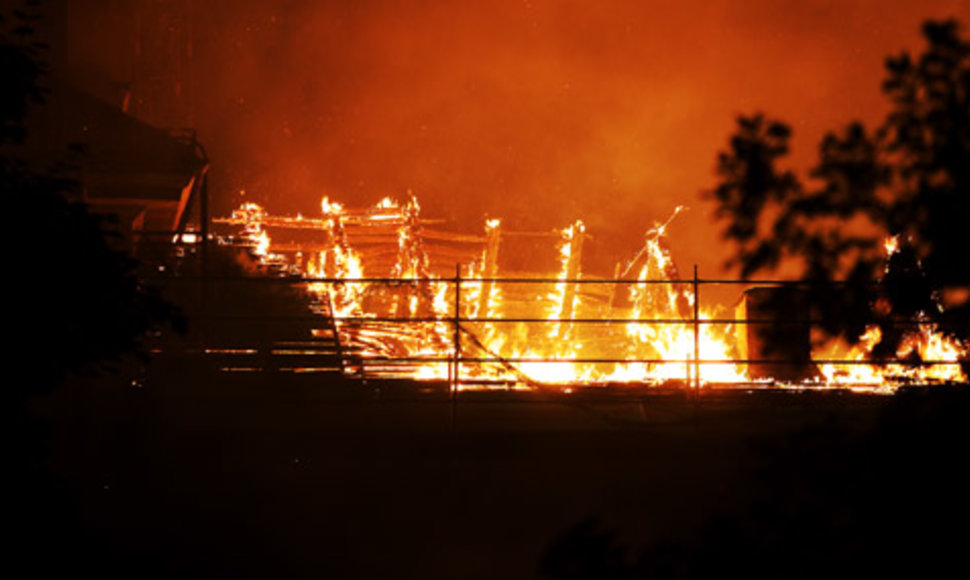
450,281
607,321
450,358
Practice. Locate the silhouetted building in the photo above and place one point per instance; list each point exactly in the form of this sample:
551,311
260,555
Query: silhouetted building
144,175
118,96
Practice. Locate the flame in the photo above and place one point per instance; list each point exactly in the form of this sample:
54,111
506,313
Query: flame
891,245
386,203
406,326
330,208
254,234
926,343
671,341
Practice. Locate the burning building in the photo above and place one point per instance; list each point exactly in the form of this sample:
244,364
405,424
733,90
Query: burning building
387,278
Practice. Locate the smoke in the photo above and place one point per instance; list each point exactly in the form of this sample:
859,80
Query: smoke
536,111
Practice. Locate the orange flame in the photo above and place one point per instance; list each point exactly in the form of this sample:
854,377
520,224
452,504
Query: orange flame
414,318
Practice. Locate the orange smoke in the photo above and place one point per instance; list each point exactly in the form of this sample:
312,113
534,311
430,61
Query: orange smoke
502,107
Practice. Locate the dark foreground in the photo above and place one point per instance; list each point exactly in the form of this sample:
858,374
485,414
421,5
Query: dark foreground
197,474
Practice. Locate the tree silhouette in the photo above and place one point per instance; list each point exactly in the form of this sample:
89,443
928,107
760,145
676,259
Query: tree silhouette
23,68
906,183
79,300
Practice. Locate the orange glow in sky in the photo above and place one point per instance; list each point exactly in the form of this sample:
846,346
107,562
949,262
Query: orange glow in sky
536,111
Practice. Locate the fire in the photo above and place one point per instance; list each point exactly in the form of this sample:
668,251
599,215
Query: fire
854,372
926,343
253,216
554,329
330,208
672,302
891,245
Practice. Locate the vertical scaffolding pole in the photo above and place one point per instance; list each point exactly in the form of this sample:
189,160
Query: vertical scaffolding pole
204,258
697,334
456,373
204,225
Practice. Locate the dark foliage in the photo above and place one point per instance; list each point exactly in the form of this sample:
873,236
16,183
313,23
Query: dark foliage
74,305
78,305
83,306
23,68
909,179
751,182
240,305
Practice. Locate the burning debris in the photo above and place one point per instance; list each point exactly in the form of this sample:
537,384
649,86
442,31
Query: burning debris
382,275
